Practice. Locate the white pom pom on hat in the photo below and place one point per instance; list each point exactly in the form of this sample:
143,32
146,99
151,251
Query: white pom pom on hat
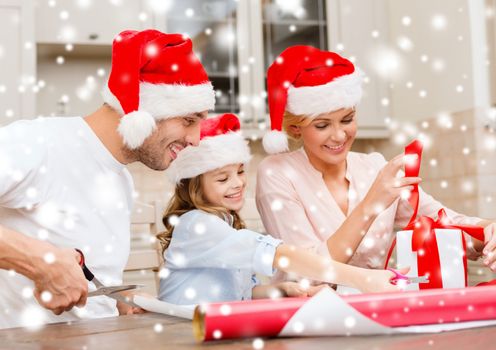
275,141
135,127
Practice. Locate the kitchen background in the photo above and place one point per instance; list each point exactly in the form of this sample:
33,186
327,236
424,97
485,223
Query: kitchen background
430,68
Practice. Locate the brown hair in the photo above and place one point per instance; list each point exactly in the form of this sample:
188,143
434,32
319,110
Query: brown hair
290,119
188,195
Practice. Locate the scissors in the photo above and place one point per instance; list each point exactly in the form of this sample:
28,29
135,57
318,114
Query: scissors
400,277
101,289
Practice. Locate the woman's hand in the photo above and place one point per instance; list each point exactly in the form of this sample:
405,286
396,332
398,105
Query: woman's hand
294,289
374,281
387,187
489,250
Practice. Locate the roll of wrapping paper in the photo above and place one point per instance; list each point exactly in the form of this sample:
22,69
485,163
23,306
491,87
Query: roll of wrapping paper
267,317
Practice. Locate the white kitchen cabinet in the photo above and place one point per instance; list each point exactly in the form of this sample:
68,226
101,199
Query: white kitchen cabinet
17,61
220,37
359,30
280,25
89,21
236,41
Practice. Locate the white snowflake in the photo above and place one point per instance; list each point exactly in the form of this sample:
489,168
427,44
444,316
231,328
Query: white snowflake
258,344
225,310
217,334
27,292
406,21
190,293
439,22
276,205
298,327
158,328
33,317
46,296
48,214
283,262
49,258
200,228
350,322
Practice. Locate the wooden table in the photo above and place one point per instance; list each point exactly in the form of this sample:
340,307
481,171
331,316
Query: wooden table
138,332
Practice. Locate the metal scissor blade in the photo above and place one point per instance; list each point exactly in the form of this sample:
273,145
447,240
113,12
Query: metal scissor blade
113,289
420,279
126,300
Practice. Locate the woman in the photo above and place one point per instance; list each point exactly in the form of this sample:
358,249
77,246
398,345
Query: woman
323,197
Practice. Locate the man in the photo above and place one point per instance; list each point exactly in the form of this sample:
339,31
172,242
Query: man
64,185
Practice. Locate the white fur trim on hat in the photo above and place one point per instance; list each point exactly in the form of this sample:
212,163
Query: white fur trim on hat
135,127
212,153
275,141
342,92
164,101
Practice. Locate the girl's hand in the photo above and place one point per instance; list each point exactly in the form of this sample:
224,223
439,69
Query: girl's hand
387,187
125,309
294,289
374,281
489,250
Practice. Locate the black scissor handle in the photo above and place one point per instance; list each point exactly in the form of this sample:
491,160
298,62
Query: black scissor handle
87,273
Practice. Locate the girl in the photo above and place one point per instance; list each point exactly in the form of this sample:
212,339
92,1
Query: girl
209,254
334,202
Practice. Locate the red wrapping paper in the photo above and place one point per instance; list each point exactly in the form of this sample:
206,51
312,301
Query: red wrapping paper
266,317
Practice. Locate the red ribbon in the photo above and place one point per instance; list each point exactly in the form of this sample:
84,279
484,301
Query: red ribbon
424,237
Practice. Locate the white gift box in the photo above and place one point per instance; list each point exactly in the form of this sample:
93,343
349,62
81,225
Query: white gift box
451,255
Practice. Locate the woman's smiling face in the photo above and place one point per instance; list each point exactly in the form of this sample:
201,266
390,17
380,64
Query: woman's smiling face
329,137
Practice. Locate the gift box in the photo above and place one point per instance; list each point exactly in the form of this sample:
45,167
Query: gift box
433,248
329,314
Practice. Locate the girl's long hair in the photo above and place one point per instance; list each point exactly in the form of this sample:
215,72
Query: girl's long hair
188,195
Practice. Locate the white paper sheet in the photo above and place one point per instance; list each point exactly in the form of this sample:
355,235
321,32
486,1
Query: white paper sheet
327,314
161,307
345,290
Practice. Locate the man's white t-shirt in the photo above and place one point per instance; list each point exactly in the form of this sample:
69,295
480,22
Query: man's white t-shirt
59,183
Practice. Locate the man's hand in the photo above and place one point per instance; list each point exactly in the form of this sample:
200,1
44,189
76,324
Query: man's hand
59,280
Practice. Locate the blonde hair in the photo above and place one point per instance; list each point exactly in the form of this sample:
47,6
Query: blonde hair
188,195
290,119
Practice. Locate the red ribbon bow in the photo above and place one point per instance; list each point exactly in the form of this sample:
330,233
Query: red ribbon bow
424,237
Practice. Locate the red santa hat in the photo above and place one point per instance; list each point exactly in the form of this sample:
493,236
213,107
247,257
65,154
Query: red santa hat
307,81
221,144
154,76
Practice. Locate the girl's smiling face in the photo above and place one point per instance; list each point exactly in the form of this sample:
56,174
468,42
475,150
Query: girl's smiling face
225,187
